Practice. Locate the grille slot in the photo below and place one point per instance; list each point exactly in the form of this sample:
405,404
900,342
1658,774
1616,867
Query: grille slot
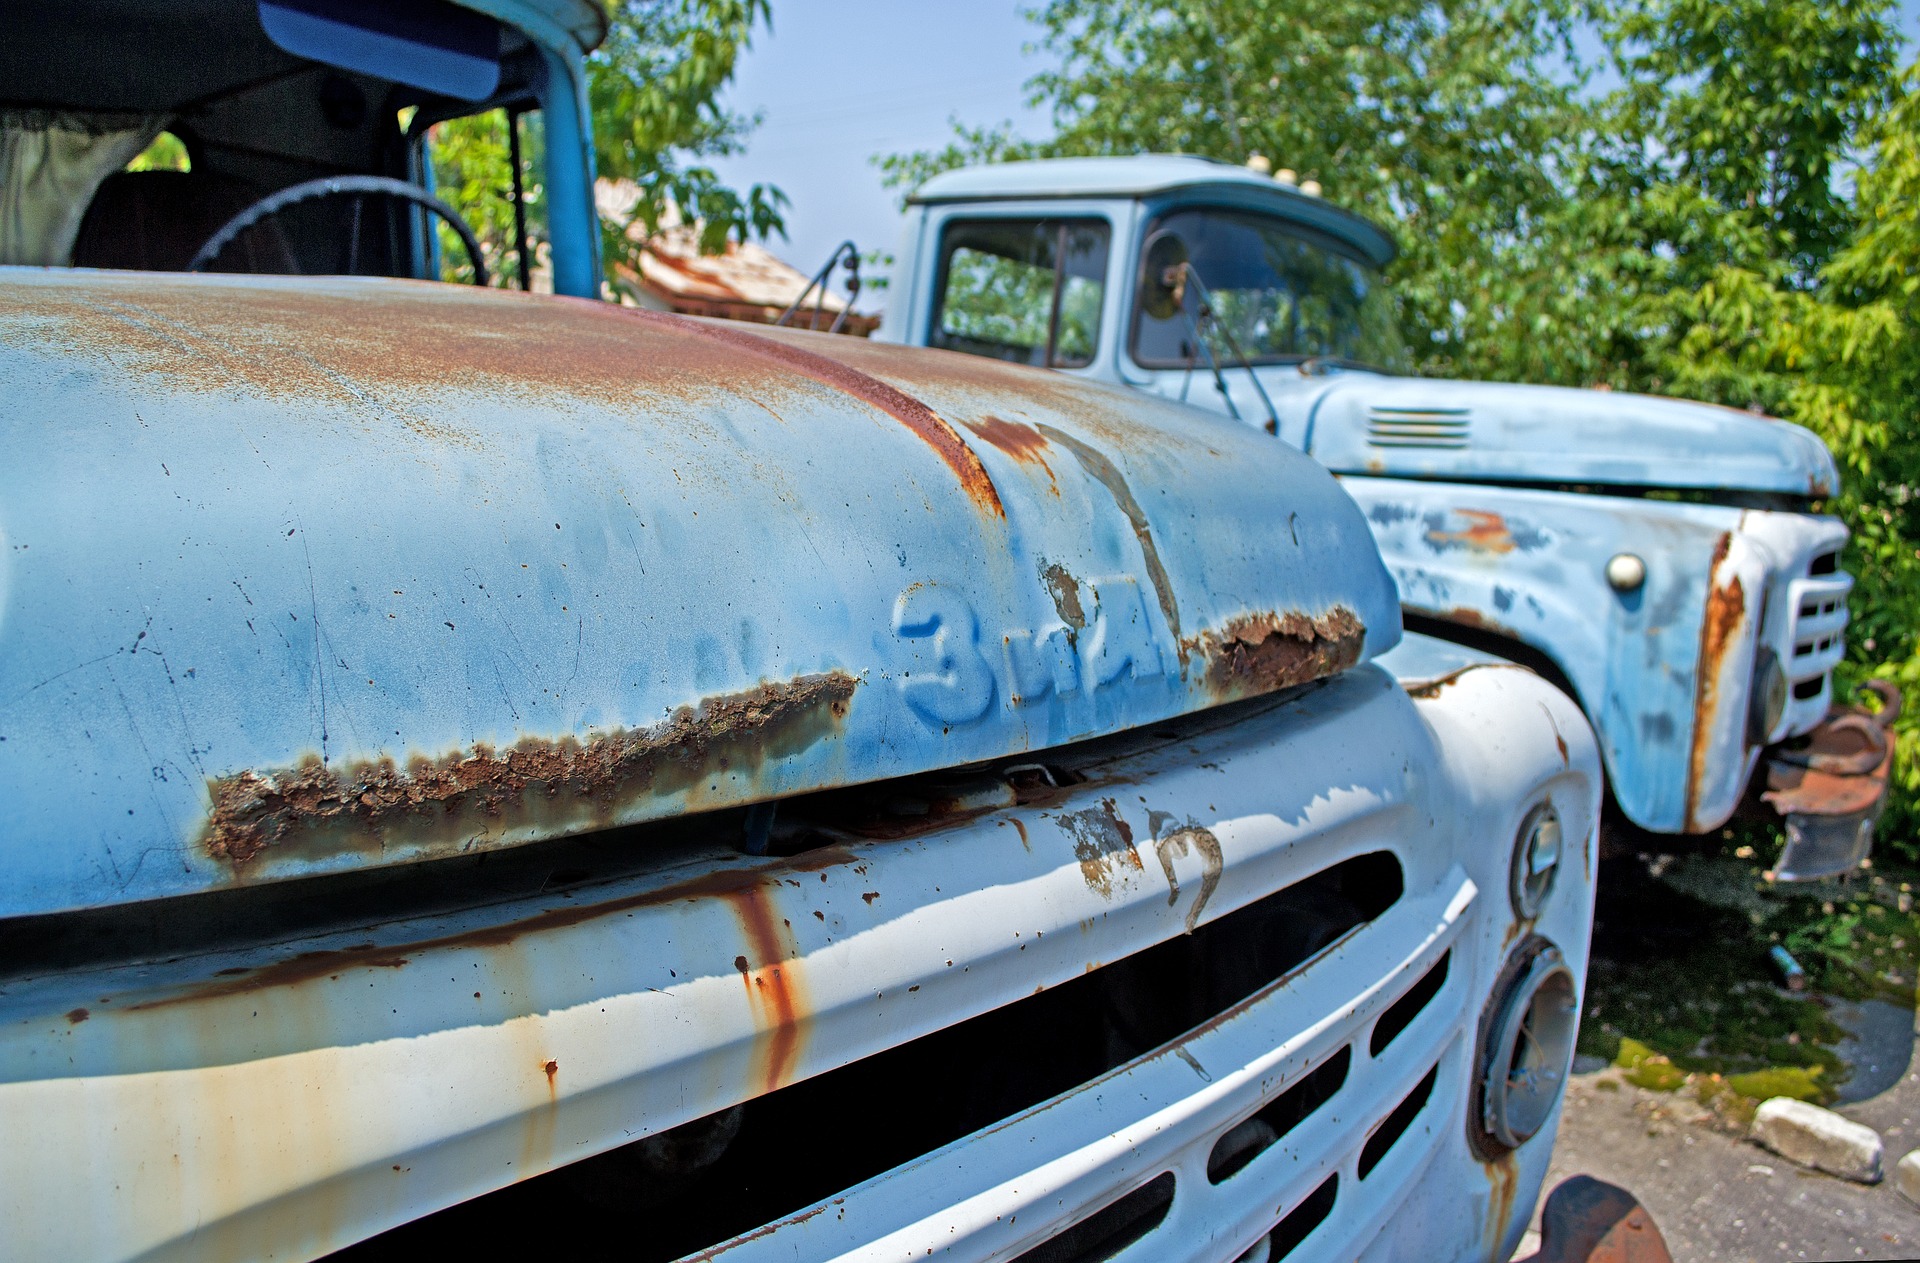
1106,1232
1395,1125
1279,1116
1408,1006
1443,428
1303,1219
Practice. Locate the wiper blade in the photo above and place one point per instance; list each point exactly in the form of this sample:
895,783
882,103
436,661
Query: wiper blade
1187,275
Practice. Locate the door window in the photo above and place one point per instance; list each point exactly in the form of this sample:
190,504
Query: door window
1025,290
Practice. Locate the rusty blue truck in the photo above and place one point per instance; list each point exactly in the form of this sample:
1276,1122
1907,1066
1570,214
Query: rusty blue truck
483,767
1670,564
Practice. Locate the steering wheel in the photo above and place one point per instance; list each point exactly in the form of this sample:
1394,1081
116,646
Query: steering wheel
355,186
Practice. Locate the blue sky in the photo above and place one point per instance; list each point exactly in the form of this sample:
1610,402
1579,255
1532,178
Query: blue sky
838,81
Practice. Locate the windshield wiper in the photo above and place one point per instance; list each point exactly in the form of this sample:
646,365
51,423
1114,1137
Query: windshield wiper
1178,277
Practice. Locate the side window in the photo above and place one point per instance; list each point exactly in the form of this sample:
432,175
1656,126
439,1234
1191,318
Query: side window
1025,290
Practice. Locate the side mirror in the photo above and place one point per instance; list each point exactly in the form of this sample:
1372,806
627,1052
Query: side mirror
1163,287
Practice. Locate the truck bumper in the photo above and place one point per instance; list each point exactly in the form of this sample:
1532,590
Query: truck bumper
283,1097
1830,786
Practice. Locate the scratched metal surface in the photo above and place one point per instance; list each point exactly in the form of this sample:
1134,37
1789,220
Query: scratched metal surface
301,576
461,1050
1665,672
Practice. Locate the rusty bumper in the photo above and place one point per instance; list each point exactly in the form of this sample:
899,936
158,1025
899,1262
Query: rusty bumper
1590,1221
1830,785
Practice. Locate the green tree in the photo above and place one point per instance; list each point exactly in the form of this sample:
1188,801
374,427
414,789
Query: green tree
654,88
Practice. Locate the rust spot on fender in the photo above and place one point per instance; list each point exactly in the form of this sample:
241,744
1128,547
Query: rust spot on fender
923,421
1726,610
1065,591
1486,532
534,782
77,1016
1108,475
1266,652
771,976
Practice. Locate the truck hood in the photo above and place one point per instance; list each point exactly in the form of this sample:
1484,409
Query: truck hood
1470,431
306,576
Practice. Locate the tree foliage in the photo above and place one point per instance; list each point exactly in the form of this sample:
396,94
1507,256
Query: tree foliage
1714,199
654,89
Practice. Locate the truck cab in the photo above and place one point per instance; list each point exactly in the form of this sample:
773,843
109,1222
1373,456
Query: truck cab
1667,562
477,760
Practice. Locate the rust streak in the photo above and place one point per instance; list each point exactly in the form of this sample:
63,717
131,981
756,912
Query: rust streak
1726,609
253,811
923,421
1108,475
721,884
1022,442
306,967
1266,652
773,985
1503,1183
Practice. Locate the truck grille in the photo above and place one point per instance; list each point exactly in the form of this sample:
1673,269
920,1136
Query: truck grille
1335,1104
1418,427
1816,635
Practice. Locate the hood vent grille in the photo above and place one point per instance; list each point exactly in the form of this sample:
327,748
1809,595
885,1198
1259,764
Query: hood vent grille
1417,427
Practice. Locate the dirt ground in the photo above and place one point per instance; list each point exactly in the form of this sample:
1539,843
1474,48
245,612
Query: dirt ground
1715,1194
1719,1197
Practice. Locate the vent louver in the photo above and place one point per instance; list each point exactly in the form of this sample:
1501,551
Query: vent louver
1417,427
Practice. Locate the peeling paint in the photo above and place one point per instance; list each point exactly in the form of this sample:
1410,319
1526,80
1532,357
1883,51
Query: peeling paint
1101,839
1108,475
1065,591
1266,652
1178,842
1486,532
253,811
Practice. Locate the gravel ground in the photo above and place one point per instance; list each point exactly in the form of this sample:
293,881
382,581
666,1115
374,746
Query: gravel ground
1717,1196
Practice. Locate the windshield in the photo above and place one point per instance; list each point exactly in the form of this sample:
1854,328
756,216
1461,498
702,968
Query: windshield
1026,290
1284,293
399,138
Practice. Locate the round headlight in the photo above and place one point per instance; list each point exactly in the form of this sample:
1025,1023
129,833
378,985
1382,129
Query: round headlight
1527,1047
1536,858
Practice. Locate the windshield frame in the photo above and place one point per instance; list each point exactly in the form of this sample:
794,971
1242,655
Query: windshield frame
1268,218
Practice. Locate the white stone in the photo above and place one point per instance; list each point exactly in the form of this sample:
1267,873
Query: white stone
1906,1176
1818,1138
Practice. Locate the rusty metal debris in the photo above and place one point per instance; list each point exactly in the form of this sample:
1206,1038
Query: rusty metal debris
1590,1221
1830,785
253,811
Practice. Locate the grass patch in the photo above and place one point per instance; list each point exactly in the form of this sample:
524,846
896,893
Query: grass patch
1681,987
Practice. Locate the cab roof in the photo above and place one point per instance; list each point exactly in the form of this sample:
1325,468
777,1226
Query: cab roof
1147,175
